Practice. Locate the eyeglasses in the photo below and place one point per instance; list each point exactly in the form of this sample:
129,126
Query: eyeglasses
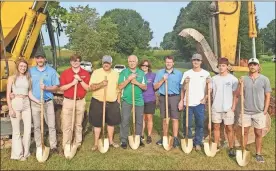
145,65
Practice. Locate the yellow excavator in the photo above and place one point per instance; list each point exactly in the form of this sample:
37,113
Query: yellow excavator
20,32
224,24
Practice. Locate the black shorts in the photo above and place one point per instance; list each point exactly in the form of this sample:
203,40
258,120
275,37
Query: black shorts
149,107
112,113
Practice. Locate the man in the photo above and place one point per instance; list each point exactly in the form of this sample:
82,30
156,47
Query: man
256,102
173,76
224,86
197,98
72,76
44,77
97,85
128,77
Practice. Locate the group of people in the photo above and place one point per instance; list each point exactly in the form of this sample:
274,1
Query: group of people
23,94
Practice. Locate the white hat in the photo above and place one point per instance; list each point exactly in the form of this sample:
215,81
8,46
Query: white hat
253,60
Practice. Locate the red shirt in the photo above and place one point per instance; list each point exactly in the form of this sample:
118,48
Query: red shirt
67,77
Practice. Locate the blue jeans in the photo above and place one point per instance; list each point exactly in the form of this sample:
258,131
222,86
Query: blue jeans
198,112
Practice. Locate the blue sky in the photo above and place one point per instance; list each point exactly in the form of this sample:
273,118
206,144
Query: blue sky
161,15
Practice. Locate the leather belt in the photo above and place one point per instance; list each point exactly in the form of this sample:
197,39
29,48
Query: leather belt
77,98
170,95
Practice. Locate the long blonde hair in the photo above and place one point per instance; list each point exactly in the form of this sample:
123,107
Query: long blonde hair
17,73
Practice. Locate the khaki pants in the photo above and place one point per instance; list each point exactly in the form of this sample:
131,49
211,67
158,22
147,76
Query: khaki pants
20,149
67,112
49,115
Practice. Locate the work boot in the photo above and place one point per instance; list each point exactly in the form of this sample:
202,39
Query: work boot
231,152
149,140
142,137
124,145
198,148
160,142
141,143
259,158
175,142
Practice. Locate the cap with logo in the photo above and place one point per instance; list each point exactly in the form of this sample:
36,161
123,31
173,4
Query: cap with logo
197,56
253,60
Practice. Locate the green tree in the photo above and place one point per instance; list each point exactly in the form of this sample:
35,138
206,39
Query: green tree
57,12
168,43
89,35
268,36
134,31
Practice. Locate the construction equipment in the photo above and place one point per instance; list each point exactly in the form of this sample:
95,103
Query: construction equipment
133,140
42,152
242,156
167,140
210,148
71,149
20,27
224,24
103,144
187,143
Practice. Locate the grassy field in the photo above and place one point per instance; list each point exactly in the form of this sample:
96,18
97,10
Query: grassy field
150,157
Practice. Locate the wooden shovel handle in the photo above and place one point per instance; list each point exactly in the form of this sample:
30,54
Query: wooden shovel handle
104,105
209,107
42,117
166,102
242,111
133,108
74,111
187,82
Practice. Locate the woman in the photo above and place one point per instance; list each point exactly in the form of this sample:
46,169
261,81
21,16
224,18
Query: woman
149,99
19,85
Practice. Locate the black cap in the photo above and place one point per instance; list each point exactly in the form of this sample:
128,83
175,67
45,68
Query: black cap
40,53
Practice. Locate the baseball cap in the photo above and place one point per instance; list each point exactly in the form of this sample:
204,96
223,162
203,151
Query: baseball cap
223,61
197,56
253,60
40,53
107,59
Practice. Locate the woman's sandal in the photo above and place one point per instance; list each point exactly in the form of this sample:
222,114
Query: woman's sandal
114,145
94,148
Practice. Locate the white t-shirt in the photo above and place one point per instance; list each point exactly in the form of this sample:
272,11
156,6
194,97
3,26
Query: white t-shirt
196,86
223,87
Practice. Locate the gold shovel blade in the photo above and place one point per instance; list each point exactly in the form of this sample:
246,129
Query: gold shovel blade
243,157
167,142
210,149
134,142
187,147
103,146
42,155
70,151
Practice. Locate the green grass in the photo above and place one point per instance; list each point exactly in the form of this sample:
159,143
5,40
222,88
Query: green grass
151,157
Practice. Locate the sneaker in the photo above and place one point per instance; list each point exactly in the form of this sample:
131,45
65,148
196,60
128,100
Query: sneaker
143,138
231,152
259,158
160,142
197,147
149,140
141,143
124,145
175,142
54,150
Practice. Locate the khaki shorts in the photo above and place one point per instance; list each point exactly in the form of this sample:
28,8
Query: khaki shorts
227,117
257,120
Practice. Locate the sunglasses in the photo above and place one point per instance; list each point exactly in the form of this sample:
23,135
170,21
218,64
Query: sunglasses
145,65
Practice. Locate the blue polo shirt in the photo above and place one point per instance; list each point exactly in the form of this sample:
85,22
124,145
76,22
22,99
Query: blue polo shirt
49,77
174,81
